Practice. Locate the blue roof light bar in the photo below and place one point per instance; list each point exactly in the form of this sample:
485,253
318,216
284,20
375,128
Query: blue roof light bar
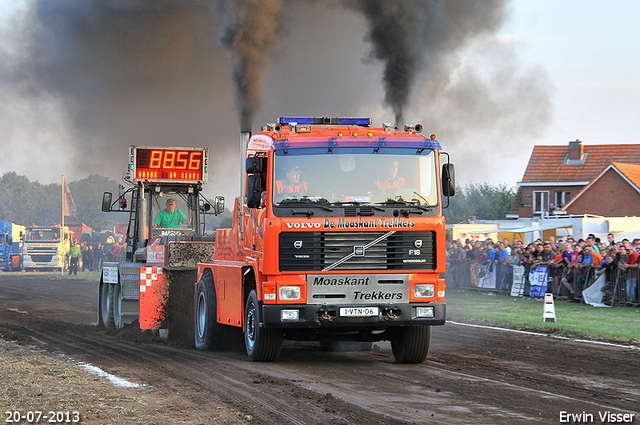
364,122
357,142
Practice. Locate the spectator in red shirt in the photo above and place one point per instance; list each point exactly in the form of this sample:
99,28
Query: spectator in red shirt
628,259
632,259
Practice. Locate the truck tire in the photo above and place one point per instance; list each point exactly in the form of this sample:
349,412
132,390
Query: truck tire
262,344
208,332
106,305
116,303
410,344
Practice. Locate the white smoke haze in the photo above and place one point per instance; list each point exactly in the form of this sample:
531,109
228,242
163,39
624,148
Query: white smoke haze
485,109
81,81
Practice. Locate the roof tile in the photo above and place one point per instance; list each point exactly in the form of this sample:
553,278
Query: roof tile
630,171
547,162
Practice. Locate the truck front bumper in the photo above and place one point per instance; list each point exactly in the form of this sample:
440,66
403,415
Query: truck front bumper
329,316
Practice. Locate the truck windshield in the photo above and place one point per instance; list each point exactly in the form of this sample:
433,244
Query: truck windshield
42,235
355,175
1,240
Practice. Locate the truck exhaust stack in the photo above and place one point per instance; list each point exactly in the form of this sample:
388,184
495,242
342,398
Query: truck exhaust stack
244,142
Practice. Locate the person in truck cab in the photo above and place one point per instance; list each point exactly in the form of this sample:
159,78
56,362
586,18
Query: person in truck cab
170,217
391,178
292,185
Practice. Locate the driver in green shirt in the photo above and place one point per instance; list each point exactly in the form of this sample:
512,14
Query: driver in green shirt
170,218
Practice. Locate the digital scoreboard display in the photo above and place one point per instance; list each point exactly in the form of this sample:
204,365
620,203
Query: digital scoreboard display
161,164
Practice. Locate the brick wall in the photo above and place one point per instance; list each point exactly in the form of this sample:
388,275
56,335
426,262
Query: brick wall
610,196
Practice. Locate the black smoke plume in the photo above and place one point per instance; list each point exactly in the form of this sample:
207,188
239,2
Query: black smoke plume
252,32
410,35
93,77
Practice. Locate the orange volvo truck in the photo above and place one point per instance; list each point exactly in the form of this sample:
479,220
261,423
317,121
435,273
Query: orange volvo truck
339,236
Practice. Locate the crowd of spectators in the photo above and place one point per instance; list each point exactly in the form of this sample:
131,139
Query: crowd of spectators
92,254
571,265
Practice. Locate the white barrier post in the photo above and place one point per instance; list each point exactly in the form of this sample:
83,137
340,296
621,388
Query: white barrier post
549,312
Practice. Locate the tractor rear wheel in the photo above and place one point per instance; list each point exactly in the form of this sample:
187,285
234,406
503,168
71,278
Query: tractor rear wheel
106,305
116,303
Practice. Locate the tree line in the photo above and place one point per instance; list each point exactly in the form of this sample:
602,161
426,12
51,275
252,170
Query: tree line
484,201
28,202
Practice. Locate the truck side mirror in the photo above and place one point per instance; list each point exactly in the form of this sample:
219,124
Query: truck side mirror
254,191
106,201
219,205
448,180
9,241
256,164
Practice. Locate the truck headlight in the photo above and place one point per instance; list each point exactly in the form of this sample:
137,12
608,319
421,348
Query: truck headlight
289,292
427,290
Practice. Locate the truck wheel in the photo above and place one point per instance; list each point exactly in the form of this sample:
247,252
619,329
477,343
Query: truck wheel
116,303
410,344
106,305
262,344
208,332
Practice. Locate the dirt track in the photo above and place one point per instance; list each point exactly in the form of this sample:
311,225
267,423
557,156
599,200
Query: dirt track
473,375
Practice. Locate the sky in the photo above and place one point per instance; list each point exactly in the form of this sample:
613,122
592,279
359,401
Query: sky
591,52
80,81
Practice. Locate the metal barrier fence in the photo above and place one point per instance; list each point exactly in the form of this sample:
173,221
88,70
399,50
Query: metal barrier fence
467,274
618,286
623,286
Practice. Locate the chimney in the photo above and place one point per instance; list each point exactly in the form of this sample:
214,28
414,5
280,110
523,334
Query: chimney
575,150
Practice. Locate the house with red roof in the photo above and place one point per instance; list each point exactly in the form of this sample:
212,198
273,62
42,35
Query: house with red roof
614,192
580,179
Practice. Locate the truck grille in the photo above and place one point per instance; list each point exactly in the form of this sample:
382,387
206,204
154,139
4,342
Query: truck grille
41,258
317,251
41,254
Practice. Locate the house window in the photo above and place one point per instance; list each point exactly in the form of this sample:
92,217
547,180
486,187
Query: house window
562,198
540,202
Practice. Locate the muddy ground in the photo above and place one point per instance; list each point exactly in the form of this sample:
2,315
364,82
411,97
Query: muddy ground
473,375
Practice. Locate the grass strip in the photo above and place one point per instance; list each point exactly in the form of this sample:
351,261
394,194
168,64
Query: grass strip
573,319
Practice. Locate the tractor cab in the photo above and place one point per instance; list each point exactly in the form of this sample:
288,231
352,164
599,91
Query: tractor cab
165,201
